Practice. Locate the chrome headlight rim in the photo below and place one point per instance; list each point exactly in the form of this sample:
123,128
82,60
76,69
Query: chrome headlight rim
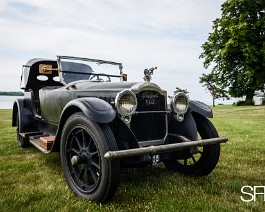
174,102
117,103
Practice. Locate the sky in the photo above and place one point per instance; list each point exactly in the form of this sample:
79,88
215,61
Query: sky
141,34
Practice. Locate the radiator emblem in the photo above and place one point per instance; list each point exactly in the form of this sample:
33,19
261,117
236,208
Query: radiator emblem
149,98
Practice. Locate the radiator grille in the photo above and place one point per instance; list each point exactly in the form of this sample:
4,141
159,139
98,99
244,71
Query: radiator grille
150,101
150,122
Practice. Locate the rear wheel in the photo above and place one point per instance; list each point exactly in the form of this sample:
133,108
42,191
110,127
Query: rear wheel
87,172
201,160
22,142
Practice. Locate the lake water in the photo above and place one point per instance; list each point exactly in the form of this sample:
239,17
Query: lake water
6,102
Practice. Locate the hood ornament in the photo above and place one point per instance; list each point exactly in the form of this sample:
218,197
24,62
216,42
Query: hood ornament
148,73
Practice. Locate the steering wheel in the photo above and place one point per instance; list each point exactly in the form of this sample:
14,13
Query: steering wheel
99,79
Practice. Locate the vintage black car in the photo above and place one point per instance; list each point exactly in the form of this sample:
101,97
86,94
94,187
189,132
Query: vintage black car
100,122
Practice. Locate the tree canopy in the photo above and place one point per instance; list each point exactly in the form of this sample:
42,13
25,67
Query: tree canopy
209,81
179,90
236,47
11,93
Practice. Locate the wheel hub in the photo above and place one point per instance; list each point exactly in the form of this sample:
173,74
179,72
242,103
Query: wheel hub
75,160
84,156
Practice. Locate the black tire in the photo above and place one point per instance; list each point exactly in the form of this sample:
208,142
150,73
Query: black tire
202,160
22,142
87,172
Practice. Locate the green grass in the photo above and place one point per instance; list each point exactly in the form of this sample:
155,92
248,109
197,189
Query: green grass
33,181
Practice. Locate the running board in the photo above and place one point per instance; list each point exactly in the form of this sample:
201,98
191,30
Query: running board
153,150
43,143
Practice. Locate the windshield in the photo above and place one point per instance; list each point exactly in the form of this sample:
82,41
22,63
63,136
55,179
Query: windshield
76,68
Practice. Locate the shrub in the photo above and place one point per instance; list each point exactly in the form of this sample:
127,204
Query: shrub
243,103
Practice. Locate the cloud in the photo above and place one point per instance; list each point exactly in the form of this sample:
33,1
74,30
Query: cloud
141,34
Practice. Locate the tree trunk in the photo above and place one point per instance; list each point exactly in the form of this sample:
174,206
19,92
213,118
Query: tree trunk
249,97
213,102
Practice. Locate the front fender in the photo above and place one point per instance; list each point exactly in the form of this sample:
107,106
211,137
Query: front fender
201,108
186,128
95,109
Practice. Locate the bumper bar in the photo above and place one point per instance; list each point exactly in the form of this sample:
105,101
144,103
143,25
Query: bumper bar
153,150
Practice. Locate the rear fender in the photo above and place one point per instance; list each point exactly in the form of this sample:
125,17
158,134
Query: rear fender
25,115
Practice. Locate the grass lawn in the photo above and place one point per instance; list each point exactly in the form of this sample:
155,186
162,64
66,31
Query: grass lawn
33,181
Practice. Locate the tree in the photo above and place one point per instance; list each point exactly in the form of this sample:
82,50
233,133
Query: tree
210,82
179,90
236,47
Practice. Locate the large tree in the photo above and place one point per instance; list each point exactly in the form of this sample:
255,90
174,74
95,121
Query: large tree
236,47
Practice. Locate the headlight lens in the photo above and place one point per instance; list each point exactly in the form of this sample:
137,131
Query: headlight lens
180,103
126,103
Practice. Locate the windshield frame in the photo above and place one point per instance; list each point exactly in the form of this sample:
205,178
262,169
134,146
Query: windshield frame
70,58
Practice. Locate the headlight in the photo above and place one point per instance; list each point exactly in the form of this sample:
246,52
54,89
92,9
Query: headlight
126,103
179,103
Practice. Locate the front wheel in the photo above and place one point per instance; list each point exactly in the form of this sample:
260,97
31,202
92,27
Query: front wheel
198,161
87,172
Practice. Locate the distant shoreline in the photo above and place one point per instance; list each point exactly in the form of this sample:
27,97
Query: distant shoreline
11,93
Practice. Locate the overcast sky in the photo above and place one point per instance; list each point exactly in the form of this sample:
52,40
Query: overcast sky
139,33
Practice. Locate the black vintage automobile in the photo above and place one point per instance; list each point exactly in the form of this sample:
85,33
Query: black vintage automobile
100,125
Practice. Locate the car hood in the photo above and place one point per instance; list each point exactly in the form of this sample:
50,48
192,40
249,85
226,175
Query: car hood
100,86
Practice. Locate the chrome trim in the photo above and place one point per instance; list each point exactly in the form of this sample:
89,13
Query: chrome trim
179,114
119,95
173,103
148,86
141,112
154,150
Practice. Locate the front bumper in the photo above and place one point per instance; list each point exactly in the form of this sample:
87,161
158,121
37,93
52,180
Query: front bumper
153,150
